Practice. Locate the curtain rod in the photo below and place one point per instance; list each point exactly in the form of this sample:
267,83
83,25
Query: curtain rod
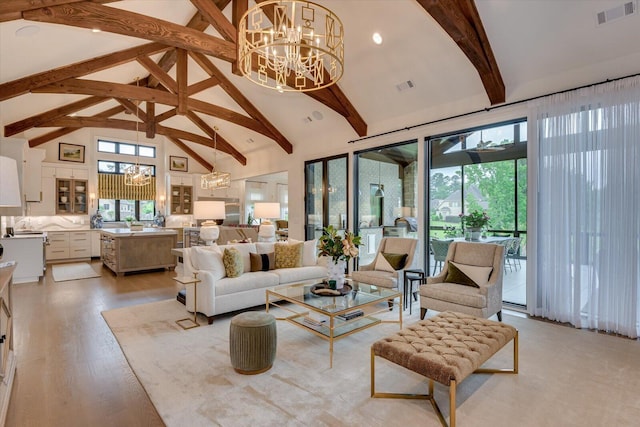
457,116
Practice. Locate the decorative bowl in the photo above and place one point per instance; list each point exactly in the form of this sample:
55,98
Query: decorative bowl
80,188
64,188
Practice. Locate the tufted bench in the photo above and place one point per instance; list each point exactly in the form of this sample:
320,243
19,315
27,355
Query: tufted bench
445,348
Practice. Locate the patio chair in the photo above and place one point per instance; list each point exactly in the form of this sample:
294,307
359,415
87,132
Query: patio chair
478,291
439,248
512,249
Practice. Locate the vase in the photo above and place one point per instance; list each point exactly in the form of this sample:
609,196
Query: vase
335,271
473,233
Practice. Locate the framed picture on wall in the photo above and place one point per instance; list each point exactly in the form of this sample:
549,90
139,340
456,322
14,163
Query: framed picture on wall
180,164
71,152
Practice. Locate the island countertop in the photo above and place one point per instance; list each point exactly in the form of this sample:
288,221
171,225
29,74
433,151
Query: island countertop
127,232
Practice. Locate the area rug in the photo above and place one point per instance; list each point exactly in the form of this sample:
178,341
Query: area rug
567,377
75,271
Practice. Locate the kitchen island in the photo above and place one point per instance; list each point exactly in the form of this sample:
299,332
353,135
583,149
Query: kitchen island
123,250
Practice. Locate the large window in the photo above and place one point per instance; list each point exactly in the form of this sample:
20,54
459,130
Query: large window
485,170
122,209
126,149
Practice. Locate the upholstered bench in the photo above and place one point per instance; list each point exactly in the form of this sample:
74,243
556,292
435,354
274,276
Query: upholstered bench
446,348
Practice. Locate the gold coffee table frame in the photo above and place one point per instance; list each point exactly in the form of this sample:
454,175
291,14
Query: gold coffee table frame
187,322
366,298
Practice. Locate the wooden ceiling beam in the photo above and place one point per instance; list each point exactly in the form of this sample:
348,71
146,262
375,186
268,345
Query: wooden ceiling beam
222,145
216,18
460,19
202,85
195,156
26,84
90,15
213,134
11,10
150,131
65,131
242,100
158,73
181,77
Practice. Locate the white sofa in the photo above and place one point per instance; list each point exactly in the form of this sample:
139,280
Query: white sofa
218,294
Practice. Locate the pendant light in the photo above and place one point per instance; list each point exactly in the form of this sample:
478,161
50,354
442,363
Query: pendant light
137,175
379,192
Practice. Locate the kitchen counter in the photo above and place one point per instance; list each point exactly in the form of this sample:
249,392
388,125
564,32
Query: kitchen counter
28,251
124,232
123,250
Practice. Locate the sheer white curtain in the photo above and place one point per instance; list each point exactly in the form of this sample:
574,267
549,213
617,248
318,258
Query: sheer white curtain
586,144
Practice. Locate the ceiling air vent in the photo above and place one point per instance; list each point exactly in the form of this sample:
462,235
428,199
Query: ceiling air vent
405,86
625,9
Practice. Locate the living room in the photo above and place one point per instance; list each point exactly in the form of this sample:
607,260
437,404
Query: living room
66,355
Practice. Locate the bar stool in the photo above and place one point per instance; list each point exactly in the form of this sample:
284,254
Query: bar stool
411,276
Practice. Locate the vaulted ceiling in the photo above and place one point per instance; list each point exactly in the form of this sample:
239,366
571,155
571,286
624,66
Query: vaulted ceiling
167,67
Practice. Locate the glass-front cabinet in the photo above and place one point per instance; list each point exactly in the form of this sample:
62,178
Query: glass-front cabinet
181,199
71,196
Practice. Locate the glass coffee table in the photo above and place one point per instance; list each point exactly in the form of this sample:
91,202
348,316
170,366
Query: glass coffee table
334,317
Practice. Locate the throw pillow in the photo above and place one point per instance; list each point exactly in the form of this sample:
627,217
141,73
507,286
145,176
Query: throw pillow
396,261
209,258
262,262
288,255
309,252
480,275
455,275
232,260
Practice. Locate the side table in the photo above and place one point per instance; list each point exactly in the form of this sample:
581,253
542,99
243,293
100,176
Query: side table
187,322
411,276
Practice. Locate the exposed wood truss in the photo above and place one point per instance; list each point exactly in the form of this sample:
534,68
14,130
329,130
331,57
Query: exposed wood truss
460,19
178,43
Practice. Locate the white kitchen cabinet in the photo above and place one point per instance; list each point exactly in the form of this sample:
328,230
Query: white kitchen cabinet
32,175
27,252
72,173
47,205
67,245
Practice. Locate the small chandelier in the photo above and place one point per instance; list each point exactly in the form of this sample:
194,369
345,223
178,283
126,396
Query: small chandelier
215,180
279,39
137,175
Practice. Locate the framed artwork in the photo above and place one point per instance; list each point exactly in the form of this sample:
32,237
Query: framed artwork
180,164
71,152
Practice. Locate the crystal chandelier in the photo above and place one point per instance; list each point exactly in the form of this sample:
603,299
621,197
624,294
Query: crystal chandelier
137,175
300,40
215,180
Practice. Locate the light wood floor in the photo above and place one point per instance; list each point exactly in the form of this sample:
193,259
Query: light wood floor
70,369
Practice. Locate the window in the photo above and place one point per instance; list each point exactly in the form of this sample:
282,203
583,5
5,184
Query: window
119,210
108,166
126,149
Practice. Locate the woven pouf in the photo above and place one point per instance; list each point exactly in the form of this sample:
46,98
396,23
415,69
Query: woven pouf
252,342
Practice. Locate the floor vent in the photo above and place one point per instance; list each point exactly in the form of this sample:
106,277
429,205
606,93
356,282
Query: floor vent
405,86
625,9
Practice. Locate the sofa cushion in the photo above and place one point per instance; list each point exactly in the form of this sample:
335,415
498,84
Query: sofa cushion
232,260
265,247
246,282
208,258
386,279
300,274
454,293
480,275
288,255
390,261
309,251
245,249
262,262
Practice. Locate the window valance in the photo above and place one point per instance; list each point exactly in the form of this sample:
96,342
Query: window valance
112,186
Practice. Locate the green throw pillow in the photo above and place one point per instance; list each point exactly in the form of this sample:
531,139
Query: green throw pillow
288,255
395,260
262,262
454,275
232,260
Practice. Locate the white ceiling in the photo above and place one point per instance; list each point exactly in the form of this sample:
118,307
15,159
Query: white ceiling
540,45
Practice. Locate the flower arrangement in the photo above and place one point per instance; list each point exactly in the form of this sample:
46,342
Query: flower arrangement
474,220
336,246
450,231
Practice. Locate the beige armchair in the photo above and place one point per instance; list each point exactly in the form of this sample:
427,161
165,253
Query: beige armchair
485,300
378,272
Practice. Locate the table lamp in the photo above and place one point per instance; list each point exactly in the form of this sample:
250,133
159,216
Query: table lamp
209,211
266,212
9,186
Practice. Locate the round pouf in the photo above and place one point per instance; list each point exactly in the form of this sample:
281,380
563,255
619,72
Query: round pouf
252,342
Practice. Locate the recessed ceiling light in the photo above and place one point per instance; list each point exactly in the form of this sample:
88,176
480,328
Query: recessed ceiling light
27,31
96,30
377,38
